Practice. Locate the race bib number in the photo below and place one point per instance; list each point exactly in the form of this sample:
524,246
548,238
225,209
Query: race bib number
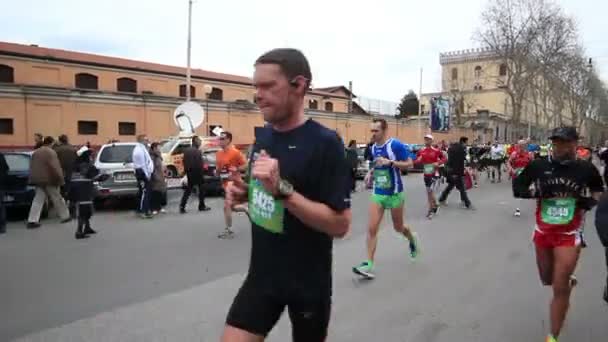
382,179
429,169
557,210
264,210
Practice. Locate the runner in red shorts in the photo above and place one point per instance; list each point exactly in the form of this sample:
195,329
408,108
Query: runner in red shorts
560,187
431,159
518,160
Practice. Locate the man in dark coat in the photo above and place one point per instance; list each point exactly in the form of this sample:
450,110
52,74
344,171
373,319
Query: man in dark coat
193,166
67,159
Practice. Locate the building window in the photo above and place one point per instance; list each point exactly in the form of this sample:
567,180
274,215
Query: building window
86,81
87,127
502,70
126,128
454,74
329,107
182,91
6,126
127,85
478,71
7,74
313,104
477,87
216,94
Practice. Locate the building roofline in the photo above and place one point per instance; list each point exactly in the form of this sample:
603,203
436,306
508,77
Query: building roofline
66,56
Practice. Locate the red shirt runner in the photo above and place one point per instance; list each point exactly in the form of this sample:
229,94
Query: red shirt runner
428,156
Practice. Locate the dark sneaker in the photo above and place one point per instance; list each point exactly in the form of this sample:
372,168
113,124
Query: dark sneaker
89,231
205,208
67,220
606,293
80,236
182,210
33,225
147,216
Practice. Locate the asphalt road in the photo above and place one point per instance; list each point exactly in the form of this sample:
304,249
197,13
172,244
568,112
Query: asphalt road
171,279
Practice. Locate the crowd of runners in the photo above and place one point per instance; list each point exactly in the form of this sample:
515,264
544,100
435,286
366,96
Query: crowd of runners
298,187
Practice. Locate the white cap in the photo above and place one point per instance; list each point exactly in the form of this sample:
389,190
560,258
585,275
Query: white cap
82,150
428,136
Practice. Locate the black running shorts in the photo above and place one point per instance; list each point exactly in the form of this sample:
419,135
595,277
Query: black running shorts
257,309
429,180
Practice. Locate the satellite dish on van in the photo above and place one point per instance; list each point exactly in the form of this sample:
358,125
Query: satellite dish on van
188,116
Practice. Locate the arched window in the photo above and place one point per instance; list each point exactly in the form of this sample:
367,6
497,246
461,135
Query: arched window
313,104
182,91
454,74
216,94
7,74
478,71
127,85
502,70
477,87
329,107
85,81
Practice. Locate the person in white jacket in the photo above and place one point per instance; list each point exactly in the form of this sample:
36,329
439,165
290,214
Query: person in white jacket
144,167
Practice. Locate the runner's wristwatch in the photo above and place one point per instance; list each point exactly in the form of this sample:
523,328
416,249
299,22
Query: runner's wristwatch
285,189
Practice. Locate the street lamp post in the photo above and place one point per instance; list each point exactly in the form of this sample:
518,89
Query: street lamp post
207,89
189,50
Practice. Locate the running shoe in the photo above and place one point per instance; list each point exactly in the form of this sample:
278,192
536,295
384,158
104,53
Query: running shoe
226,234
550,338
414,246
365,269
606,294
429,214
517,213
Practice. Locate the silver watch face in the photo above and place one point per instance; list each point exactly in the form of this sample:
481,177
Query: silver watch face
285,188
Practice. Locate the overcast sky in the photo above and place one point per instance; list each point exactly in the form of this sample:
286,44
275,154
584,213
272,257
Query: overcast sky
379,45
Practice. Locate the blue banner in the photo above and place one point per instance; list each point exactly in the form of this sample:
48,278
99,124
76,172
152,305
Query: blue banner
440,114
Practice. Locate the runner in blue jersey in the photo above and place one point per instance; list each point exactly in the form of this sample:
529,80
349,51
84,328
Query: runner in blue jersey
390,156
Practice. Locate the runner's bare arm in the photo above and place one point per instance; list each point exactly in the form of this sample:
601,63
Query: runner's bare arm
319,216
403,164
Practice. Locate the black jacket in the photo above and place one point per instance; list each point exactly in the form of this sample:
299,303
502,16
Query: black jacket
601,219
193,160
3,171
456,157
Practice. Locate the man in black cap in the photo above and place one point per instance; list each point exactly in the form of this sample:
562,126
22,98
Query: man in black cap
560,186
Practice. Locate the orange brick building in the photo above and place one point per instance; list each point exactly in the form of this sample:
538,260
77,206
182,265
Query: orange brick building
97,98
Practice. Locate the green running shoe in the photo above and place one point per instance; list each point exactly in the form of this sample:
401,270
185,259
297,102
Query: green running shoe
365,269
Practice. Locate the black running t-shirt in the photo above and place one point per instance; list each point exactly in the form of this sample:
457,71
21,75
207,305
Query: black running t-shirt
286,253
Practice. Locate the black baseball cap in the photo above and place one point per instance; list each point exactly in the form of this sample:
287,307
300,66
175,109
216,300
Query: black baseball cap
565,133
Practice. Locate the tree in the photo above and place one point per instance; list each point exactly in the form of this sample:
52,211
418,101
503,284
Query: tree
408,106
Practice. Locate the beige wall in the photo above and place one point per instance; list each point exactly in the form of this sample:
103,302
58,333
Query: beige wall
55,117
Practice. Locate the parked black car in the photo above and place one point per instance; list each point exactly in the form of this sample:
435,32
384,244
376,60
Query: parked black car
213,183
19,194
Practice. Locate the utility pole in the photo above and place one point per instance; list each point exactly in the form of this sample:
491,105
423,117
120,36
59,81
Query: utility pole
188,72
350,97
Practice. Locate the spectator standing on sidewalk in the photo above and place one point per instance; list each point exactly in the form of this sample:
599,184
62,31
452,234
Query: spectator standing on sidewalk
159,185
193,165
352,159
47,177
82,192
144,167
3,172
37,141
67,159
